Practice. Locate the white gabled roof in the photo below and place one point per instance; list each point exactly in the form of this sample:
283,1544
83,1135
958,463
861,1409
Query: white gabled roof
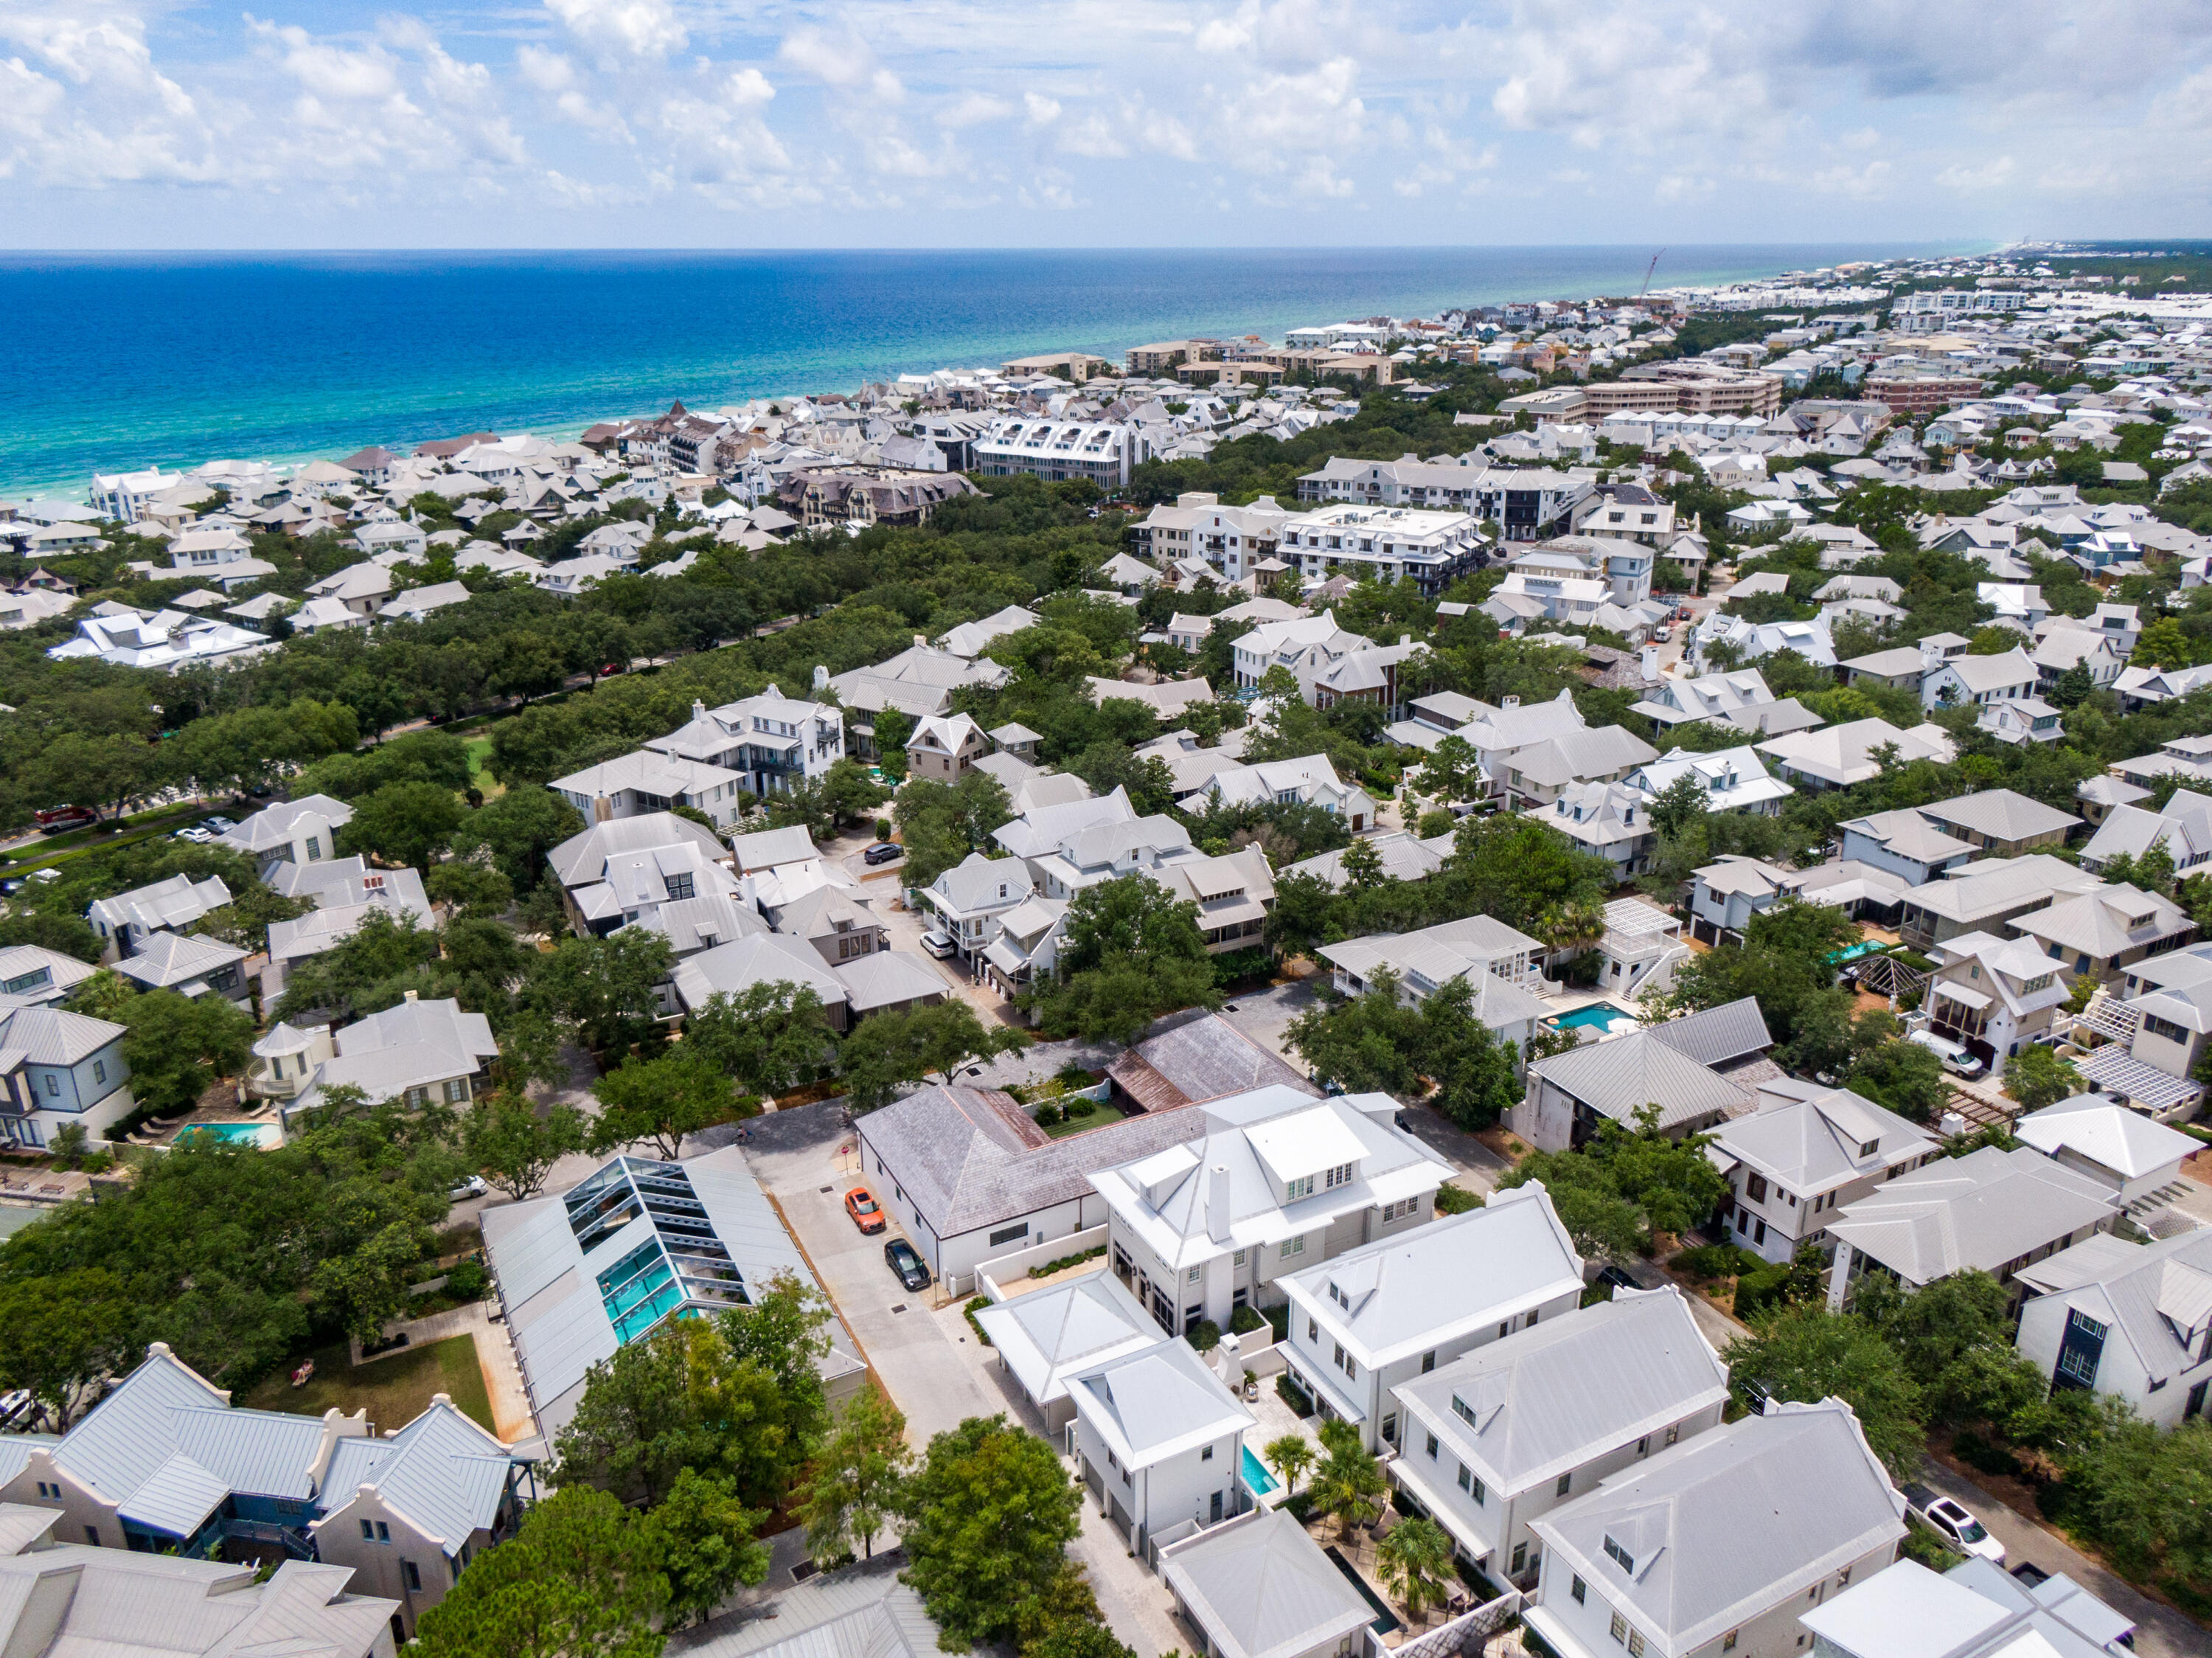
2108,1134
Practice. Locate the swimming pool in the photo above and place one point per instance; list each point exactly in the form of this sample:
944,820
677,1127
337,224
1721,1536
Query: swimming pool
263,1135
1257,1479
1866,946
1603,1015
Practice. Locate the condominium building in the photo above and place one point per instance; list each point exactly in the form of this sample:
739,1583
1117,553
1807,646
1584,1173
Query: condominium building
1391,544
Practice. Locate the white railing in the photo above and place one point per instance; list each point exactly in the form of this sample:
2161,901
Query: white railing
1464,1634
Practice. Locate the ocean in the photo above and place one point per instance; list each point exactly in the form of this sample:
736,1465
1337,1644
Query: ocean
122,361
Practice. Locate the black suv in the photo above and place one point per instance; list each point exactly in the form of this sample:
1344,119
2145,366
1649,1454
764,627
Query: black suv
906,1265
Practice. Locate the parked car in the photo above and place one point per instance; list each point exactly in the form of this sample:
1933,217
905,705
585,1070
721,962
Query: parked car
883,852
15,1406
64,817
474,1186
218,824
860,1204
905,1265
1953,1523
938,944
1614,1278
1956,1059
1662,635
194,834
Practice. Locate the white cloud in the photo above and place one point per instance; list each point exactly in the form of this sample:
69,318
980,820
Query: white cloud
1987,175
973,109
845,62
1042,111
641,28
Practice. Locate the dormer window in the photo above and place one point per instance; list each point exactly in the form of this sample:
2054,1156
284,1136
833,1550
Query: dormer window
1625,1560
1340,1175
1869,1148
1301,1187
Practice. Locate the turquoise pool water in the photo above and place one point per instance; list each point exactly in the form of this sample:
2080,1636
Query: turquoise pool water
1257,1479
1600,1013
245,1134
1865,947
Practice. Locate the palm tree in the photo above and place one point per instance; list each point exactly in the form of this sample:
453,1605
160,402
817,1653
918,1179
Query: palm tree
1414,1562
1349,1483
1290,1455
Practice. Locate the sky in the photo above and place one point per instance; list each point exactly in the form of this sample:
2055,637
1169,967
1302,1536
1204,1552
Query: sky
737,123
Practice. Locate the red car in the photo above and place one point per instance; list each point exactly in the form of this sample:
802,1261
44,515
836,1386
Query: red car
862,1208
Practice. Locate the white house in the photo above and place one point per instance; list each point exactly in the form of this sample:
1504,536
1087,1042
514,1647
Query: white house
304,831
2133,1153
1802,1155
1717,1545
1157,1439
650,781
126,922
1044,1338
1976,1609
1507,1433
1981,681
2133,1320
1279,1181
770,741
1377,1316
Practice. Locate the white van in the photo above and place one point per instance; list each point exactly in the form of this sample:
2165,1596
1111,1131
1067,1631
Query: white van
1956,1059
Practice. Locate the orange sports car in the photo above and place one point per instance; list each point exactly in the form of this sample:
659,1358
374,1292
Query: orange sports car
862,1208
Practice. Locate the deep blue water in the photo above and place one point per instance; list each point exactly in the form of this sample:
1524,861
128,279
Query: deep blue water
115,361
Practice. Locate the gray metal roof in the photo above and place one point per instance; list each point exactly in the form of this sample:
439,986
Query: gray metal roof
1261,1588
177,901
1731,1523
889,979
411,1046
442,1470
1619,1077
583,858
861,1611
1976,1609
74,1601
1554,1397
168,958
964,1163
1433,1284
1044,1336
53,1036
2001,814
177,1498
1735,1030
1814,1145
273,826
2159,1294
1980,1210
1158,1403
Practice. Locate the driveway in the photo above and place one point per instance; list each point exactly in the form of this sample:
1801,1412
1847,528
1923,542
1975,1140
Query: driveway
926,1355
2161,1631
1264,1015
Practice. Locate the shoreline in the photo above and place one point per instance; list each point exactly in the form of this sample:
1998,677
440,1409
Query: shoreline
325,412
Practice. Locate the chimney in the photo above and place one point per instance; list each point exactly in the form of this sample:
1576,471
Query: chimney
920,643
1647,663
1508,702
410,996
821,677
698,708
1217,1202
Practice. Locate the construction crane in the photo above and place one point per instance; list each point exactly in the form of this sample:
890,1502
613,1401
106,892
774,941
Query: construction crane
1648,269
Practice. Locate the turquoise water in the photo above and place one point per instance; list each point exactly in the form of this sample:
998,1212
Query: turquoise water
1600,1013
1867,947
1386,1621
1257,1479
235,1133
116,361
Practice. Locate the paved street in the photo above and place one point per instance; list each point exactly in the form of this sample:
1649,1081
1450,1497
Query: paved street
2161,1632
926,1356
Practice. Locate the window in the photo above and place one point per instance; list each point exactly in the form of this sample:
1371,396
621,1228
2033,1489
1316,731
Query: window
1520,1558
314,848
1007,1235
1428,1362
1620,1629
383,1532
53,1086
680,887
1754,1188
92,1535
1301,1187
1643,1445
1207,1456
1340,1175
1432,1448
1313,1331
1466,1478
1580,1591
456,1089
1566,1484
1293,1246
413,1577
1621,1557
367,1533
1674,1432
100,1070
1635,1645
1728,1642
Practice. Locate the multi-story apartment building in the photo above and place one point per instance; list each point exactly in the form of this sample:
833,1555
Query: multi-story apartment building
1391,544
1058,450
1230,539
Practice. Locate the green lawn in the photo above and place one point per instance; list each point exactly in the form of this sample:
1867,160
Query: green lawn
396,1390
1099,1117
